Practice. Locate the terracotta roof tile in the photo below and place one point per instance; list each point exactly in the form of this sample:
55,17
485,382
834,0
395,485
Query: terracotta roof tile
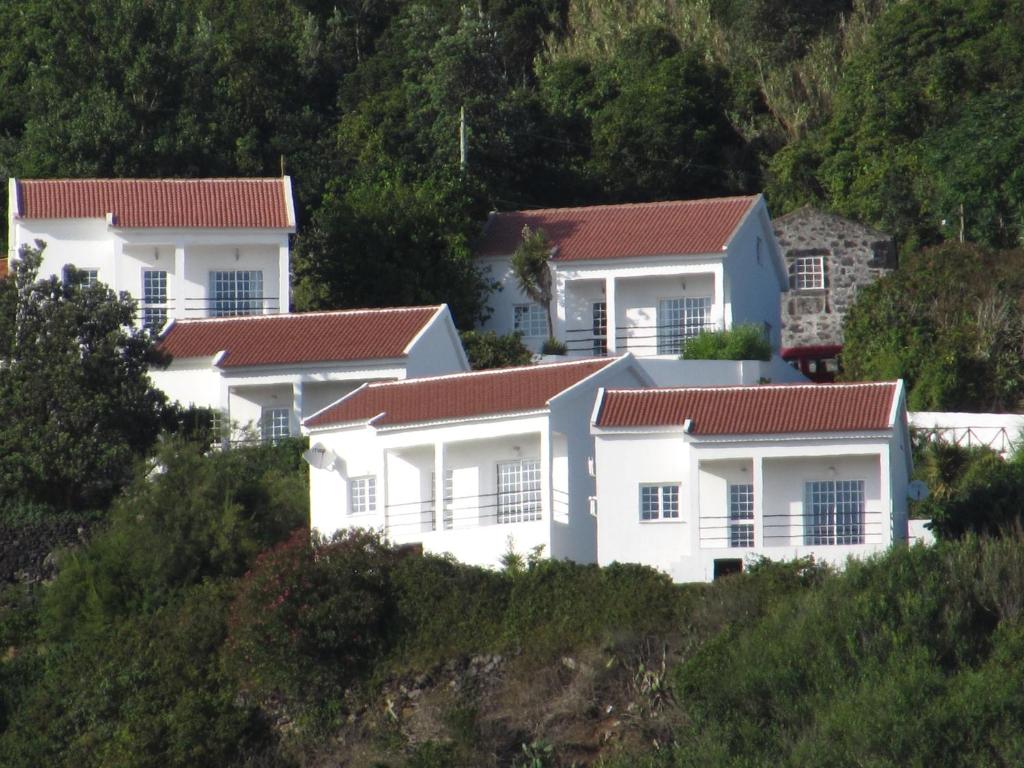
159,203
466,395
781,409
362,334
682,227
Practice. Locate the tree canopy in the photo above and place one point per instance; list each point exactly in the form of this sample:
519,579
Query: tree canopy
78,407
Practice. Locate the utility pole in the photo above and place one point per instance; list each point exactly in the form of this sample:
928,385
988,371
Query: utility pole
463,142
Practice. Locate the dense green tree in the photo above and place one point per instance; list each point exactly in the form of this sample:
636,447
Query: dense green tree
744,342
486,349
950,322
78,407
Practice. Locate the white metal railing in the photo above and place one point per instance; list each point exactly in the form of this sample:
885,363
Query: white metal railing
786,530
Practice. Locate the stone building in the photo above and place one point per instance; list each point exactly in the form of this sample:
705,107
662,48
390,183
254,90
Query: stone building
828,258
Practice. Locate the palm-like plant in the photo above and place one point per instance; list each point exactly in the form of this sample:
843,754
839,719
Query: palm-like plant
530,266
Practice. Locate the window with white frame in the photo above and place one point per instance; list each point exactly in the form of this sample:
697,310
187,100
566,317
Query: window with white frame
741,515
362,494
680,319
518,491
236,292
807,273
530,320
154,298
275,424
659,501
834,512
599,312
81,278
449,494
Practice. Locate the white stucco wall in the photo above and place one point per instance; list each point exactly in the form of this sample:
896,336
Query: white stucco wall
753,286
437,350
120,256
778,469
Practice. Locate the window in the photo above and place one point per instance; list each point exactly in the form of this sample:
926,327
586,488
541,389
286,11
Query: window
834,512
807,273
274,424
449,494
362,494
599,312
518,491
659,502
154,298
82,278
681,319
530,320
237,292
741,510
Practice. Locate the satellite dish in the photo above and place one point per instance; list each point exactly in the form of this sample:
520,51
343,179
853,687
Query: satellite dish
320,457
917,490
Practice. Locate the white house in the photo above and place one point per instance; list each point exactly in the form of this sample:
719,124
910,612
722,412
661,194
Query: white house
696,481
640,277
269,371
182,248
505,451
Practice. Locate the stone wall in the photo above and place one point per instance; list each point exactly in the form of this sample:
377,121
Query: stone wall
27,547
854,256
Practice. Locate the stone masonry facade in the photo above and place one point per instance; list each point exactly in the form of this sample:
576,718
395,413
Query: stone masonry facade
836,257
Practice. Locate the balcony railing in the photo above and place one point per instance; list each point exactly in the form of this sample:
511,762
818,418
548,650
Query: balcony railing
473,511
643,339
154,315
786,530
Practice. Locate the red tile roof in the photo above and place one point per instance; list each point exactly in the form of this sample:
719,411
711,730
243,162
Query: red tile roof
762,410
465,395
159,203
313,337
681,227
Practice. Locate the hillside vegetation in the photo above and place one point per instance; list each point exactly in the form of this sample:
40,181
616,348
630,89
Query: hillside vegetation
194,629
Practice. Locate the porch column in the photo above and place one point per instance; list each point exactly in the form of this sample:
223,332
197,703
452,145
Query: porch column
546,507
296,407
439,500
723,318
887,511
609,309
758,480
283,282
178,310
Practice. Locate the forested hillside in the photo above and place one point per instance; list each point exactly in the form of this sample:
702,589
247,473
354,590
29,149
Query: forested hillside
901,114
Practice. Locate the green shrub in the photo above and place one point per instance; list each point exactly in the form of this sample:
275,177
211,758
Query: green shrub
486,349
743,342
312,617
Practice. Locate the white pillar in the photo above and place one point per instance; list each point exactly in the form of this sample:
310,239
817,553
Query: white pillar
178,299
758,481
545,476
886,511
296,418
724,317
283,281
439,499
609,308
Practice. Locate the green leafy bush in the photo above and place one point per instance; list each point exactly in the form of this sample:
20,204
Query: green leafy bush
743,342
312,617
486,349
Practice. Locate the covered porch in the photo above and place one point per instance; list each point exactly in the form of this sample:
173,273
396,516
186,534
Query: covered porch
648,311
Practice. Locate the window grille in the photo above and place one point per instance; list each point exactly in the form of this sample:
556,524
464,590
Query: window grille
362,494
236,292
741,509
680,319
659,502
154,299
449,494
275,424
81,278
530,320
807,273
834,512
519,491
599,312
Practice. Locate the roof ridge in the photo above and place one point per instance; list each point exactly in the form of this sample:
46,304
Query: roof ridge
162,180
490,371
650,204
759,387
316,313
